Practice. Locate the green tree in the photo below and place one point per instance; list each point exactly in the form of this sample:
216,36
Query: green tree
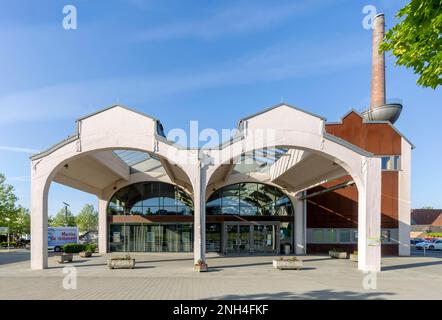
22,223
8,208
60,219
87,219
416,41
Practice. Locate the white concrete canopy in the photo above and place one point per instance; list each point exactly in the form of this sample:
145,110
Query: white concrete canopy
85,162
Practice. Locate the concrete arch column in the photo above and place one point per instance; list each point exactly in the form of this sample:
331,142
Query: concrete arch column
43,171
119,128
39,221
364,169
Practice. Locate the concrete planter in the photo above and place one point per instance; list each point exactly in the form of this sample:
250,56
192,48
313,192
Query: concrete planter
337,254
85,254
287,264
201,267
353,257
121,263
65,257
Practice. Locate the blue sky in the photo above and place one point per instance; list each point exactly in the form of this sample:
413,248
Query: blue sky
212,61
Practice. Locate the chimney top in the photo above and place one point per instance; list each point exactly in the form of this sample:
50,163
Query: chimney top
380,110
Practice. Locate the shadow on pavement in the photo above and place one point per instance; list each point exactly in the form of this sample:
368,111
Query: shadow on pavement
314,295
411,265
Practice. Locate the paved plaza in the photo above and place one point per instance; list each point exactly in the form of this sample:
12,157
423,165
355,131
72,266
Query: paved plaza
171,276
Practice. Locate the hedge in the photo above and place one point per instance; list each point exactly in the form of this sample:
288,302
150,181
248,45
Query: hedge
76,248
434,234
90,247
73,248
5,244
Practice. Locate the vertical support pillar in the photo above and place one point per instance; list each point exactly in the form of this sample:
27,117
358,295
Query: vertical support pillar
404,201
39,221
199,191
300,225
369,216
102,226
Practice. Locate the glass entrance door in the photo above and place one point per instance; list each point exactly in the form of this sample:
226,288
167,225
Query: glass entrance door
244,238
264,238
251,237
238,238
231,238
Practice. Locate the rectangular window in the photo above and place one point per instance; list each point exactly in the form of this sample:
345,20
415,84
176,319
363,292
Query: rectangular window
329,235
344,235
385,236
317,235
391,163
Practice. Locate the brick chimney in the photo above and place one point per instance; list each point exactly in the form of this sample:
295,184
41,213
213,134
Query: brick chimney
378,63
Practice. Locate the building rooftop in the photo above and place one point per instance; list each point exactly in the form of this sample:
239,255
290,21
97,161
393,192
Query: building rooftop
426,217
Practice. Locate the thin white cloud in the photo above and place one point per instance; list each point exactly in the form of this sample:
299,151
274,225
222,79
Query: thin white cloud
278,62
18,149
238,19
19,179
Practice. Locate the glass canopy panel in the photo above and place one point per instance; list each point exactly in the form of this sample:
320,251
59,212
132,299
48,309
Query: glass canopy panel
139,161
259,160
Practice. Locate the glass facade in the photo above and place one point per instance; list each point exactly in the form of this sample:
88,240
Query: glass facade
213,237
344,235
286,234
151,237
175,234
249,199
150,198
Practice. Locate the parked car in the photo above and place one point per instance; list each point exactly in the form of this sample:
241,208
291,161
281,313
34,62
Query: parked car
423,244
430,245
435,245
416,241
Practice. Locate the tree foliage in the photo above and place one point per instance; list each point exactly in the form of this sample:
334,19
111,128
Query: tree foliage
7,201
8,208
60,219
416,41
16,218
22,223
87,218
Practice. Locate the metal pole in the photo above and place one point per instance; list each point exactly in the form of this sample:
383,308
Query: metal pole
66,205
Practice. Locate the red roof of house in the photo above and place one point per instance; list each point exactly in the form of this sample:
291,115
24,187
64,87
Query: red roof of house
426,217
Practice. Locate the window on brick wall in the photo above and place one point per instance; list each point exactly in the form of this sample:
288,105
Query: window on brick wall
391,163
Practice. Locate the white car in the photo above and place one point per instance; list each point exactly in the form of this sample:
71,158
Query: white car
433,245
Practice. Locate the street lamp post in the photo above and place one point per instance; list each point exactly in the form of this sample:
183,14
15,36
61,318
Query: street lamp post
66,205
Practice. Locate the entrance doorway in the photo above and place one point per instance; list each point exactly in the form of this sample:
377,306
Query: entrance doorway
253,237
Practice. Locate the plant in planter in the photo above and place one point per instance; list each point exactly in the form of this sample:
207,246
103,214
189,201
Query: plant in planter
123,262
201,266
291,263
68,252
338,253
89,249
354,256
